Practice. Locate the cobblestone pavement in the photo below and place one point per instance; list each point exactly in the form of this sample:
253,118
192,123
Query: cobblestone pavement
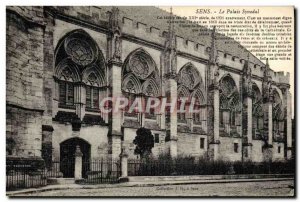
275,188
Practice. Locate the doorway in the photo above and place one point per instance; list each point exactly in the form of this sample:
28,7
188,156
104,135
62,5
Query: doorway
67,156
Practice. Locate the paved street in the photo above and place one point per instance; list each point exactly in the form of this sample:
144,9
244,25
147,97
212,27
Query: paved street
274,188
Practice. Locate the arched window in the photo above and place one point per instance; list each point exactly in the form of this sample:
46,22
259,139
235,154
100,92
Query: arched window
92,92
183,96
278,117
196,114
257,112
229,103
140,80
79,64
66,93
66,76
199,103
190,87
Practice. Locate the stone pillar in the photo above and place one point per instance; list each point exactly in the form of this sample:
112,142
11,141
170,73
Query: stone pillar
270,123
173,118
216,113
115,133
124,166
47,131
289,127
248,144
268,130
249,118
55,96
78,164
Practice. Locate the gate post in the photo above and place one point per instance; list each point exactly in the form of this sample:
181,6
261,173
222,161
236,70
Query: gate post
78,163
124,166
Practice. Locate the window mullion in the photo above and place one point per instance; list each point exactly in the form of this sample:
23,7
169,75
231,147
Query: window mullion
67,93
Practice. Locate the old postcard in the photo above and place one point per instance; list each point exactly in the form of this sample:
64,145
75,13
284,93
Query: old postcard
125,101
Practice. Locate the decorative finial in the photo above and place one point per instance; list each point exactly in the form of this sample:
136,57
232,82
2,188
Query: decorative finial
171,37
114,18
213,50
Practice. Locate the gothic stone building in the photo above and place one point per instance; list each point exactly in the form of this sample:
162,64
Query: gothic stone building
62,61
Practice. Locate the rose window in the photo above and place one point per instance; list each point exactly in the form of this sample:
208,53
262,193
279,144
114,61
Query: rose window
80,51
140,67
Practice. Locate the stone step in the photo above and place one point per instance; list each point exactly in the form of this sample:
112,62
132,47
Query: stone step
205,177
54,181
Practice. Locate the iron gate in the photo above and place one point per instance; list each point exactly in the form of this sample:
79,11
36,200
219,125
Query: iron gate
95,171
102,171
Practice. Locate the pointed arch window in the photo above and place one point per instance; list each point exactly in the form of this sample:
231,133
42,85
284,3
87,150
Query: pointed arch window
140,81
232,117
181,113
198,113
66,90
257,112
229,104
191,87
278,117
92,92
79,67
66,93
92,97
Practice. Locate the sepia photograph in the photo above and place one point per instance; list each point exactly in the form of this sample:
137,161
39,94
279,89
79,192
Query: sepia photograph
150,101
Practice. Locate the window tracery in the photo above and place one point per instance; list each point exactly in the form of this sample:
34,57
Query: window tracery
190,86
229,103
140,76
78,59
278,117
257,111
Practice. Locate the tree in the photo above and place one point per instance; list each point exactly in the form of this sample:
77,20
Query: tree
144,142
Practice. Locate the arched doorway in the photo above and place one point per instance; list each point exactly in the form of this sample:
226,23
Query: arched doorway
67,156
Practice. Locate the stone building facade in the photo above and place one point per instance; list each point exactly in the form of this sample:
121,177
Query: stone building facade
63,61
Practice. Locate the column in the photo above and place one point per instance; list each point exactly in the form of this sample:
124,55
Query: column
47,131
267,150
216,139
124,166
55,96
173,117
216,114
289,127
115,133
161,117
270,123
78,164
248,144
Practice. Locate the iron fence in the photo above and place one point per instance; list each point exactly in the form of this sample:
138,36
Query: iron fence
102,171
205,167
22,175
93,171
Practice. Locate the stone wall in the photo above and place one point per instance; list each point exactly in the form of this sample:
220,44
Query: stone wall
278,151
189,145
24,62
257,152
24,79
23,132
95,135
226,149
